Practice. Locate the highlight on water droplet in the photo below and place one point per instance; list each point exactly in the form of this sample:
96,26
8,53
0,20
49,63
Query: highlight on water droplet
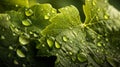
23,40
50,43
65,38
106,17
28,12
81,57
2,37
15,62
57,45
93,3
26,22
46,17
20,53
10,47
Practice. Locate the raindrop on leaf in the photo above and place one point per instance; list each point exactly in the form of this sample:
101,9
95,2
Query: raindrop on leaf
26,22
65,38
23,40
20,53
28,12
57,45
50,43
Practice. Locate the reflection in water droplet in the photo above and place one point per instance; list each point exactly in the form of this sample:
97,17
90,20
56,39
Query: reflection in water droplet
57,45
20,53
15,62
23,40
10,47
81,57
26,22
28,12
50,43
46,17
2,37
65,38
106,17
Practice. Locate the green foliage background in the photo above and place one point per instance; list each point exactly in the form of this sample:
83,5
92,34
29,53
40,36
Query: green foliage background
59,33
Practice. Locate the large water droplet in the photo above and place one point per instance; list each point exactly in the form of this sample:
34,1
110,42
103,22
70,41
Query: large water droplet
65,38
2,37
26,22
23,40
20,53
81,57
57,45
28,12
50,43
46,17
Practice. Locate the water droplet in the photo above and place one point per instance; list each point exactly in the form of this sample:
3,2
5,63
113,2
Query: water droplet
23,65
98,9
106,17
28,12
57,45
2,37
8,18
26,22
50,43
35,35
106,39
53,11
70,53
15,62
93,3
99,44
81,57
16,5
46,17
23,40
65,38
20,53
10,47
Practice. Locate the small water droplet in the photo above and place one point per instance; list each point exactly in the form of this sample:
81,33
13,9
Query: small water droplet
99,44
50,43
106,39
35,35
46,17
70,53
81,57
10,47
98,9
8,18
23,65
93,3
57,45
2,37
15,62
106,17
28,12
53,11
65,38
23,40
16,5
26,22
20,53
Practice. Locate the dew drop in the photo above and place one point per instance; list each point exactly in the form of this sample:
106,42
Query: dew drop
28,12
26,22
23,40
99,44
106,17
2,37
57,45
65,38
93,3
81,57
10,47
20,53
46,17
50,43
15,62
